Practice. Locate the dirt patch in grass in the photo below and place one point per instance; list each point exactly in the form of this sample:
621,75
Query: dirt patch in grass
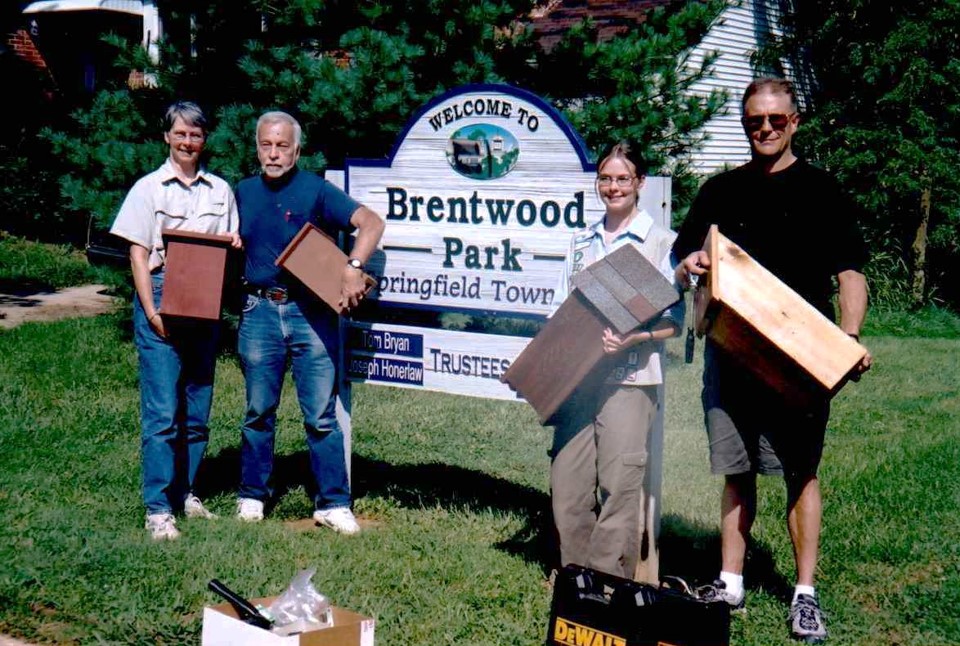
28,306
874,599
10,641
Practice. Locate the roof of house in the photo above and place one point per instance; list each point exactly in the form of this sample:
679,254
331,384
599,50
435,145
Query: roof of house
552,18
124,6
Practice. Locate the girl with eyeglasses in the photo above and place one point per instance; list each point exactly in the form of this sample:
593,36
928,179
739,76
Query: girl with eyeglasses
602,491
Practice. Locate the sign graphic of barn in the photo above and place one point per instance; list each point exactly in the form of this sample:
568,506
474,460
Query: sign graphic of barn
482,151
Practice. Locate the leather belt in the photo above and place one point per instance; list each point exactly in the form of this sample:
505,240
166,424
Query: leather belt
275,294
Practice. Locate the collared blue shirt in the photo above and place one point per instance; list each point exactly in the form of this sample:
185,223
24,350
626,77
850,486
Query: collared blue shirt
272,212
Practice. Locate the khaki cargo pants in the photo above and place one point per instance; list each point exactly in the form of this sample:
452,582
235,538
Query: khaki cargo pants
605,498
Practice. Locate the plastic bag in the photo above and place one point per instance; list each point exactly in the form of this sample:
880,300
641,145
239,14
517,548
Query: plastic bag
301,608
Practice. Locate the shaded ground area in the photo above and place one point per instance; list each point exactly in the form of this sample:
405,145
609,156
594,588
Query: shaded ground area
24,306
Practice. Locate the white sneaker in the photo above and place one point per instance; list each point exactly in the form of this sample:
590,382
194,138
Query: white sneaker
806,620
162,527
193,508
339,519
717,591
250,509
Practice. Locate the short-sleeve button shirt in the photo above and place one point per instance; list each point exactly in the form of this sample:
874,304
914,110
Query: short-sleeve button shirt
160,200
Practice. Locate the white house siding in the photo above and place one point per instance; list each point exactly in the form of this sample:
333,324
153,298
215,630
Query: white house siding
146,9
737,33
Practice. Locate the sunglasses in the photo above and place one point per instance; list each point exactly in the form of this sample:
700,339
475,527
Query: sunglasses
777,121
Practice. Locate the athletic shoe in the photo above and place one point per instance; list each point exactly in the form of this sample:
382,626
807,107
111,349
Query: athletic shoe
717,591
806,620
193,508
339,519
250,509
162,527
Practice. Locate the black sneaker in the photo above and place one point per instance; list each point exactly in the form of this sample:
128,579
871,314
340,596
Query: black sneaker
806,620
717,591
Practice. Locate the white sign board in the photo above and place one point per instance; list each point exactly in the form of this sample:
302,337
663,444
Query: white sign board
481,194
466,363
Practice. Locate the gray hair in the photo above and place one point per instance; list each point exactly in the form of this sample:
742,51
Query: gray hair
773,85
277,116
190,112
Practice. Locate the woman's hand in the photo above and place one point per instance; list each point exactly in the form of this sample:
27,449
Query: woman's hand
614,343
156,322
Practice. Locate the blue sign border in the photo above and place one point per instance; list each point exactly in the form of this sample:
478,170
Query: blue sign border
572,136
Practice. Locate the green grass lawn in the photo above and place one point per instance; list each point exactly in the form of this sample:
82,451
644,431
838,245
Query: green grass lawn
453,491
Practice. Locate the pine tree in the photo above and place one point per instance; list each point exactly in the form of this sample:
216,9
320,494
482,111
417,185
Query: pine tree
886,119
353,73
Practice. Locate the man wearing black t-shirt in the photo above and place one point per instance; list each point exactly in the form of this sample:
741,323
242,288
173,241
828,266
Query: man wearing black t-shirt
793,219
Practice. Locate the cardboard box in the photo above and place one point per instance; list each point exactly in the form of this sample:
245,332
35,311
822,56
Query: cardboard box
315,259
769,328
221,627
196,265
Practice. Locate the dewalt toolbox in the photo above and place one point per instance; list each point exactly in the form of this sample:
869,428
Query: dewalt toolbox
592,608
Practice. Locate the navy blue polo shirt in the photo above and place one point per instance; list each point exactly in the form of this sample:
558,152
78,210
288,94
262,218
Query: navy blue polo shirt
272,212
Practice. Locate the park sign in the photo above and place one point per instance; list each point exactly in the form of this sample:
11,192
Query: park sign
480,195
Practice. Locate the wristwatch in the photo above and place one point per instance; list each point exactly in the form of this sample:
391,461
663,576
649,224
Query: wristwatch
355,263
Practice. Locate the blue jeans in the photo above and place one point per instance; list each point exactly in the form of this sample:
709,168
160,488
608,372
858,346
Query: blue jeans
304,332
176,390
